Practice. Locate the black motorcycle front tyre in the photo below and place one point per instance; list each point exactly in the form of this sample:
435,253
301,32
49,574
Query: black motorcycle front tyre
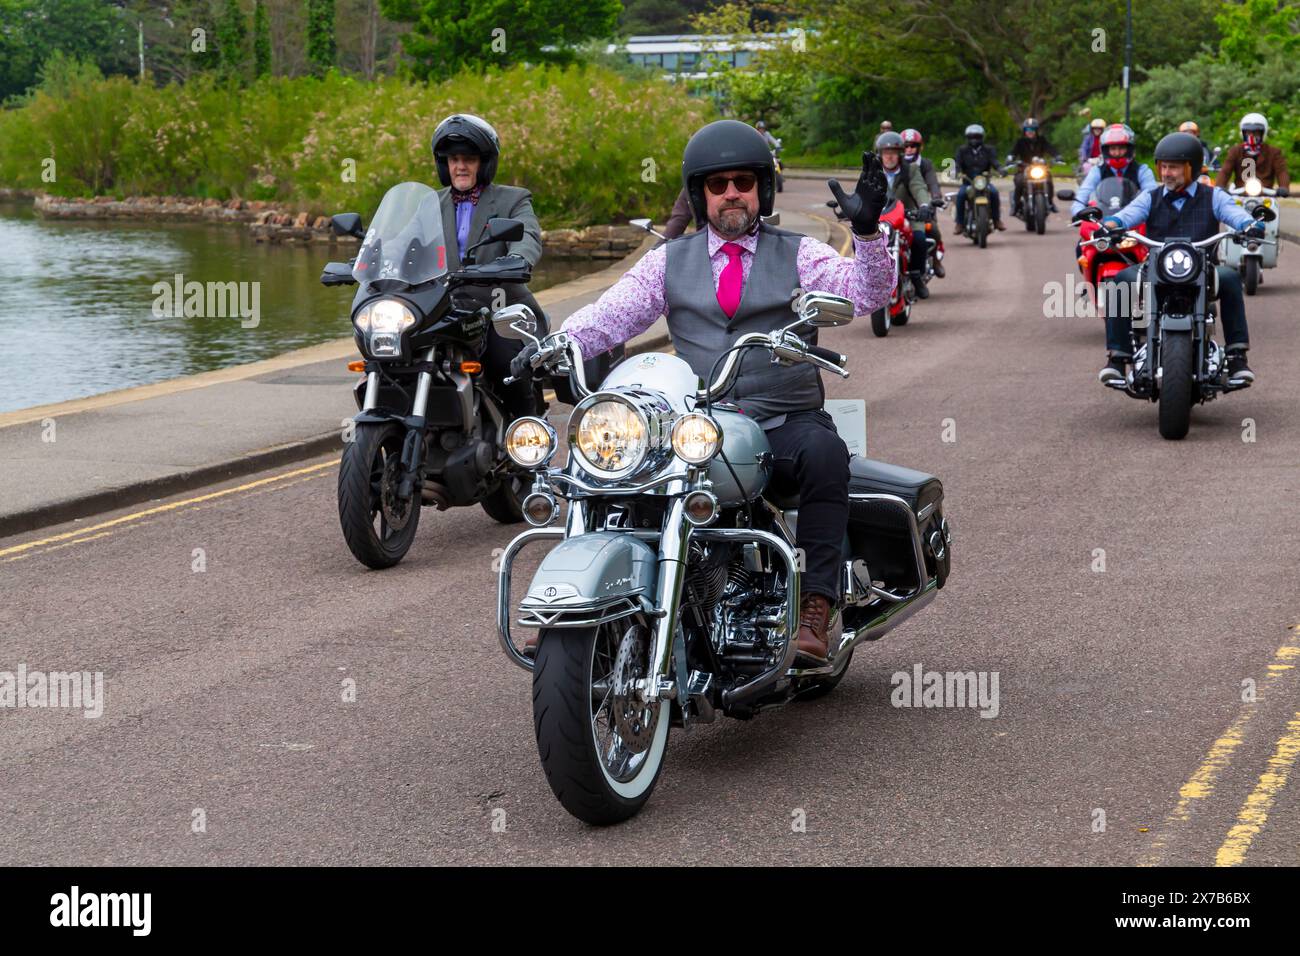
1249,274
880,322
361,475
566,738
1176,385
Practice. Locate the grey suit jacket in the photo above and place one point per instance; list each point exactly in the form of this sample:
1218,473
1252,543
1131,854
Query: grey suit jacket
496,201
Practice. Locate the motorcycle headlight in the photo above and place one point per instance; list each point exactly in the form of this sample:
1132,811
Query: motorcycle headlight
980,182
382,322
1037,172
530,442
1178,262
611,437
1254,187
696,438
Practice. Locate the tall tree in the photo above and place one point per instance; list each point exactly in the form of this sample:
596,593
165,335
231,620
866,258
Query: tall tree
261,40
1034,57
31,31
232,39
321,48
449,35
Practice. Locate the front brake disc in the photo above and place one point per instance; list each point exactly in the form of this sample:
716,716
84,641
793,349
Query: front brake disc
633,718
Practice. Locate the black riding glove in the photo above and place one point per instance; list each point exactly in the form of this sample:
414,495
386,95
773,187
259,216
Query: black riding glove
522,362
864,205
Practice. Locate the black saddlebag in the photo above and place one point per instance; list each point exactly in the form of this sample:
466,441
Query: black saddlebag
879,530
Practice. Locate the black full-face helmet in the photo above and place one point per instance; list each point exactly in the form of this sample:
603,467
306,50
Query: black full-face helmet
466,131
723,145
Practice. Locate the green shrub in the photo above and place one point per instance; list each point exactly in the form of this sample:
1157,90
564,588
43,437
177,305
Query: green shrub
593,145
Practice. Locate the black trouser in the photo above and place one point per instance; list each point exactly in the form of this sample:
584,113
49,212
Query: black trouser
916,256
809,455
1119,326
519,398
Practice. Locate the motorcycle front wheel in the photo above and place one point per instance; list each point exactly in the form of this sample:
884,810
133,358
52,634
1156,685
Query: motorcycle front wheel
377,526
1040,214
1249,274
1176,385
982,226
880,322
601,748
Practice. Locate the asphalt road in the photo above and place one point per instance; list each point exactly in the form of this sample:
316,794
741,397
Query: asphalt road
1121,737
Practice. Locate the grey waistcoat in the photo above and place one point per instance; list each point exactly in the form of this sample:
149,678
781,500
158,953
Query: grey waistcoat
701,331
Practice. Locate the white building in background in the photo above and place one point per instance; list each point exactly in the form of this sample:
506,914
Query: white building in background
684,55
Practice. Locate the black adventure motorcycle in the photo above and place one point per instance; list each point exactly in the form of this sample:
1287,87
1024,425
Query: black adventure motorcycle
430,430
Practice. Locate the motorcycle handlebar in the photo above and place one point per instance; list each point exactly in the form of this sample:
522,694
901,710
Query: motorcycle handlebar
828,355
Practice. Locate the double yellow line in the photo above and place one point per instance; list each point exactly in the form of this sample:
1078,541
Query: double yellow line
1253,815
106,528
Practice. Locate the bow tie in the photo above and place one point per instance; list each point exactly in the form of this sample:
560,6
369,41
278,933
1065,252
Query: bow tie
470,197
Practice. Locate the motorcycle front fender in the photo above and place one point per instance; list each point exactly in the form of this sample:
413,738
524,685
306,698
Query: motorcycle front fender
590,579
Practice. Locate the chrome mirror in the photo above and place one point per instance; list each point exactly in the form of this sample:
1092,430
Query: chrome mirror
823,310
515,322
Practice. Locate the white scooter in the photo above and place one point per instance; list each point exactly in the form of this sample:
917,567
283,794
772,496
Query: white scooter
1251,257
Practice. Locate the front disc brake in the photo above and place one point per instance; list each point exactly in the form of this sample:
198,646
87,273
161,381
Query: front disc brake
633,718
396,512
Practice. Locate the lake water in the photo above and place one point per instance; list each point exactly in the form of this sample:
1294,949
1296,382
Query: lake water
77,308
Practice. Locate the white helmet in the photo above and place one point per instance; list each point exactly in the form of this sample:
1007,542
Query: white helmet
1256,123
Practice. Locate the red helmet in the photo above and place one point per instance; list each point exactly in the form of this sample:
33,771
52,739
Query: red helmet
913,137
1117,134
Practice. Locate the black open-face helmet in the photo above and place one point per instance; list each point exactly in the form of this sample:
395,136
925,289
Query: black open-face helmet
469,132
1181,148
723,145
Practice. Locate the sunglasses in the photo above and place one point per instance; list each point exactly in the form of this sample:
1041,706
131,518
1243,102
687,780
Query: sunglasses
744,183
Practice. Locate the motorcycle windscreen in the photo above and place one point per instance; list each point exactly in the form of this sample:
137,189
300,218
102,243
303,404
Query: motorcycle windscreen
1114,193
405,242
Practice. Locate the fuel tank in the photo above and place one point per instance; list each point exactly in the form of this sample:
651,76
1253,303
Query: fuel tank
745,447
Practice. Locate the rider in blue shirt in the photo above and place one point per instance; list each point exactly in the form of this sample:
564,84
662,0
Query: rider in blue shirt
1181,207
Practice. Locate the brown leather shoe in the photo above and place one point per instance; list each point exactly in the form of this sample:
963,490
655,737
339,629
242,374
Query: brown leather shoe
530,644
814,618
999,226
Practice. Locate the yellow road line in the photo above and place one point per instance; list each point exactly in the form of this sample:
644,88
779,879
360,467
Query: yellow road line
160,509
1202,782
1254,812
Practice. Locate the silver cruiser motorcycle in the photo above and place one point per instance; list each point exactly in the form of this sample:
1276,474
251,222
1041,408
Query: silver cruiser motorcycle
672,591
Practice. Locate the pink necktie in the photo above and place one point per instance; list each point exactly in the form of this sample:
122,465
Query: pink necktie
732,278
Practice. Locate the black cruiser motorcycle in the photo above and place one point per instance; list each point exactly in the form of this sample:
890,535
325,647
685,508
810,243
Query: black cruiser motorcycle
671,593
1176,361
429,431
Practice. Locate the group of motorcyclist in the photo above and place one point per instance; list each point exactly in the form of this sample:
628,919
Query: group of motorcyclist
1183,203
1169,201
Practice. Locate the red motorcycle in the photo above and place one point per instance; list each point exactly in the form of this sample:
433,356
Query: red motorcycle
896,224
1102,261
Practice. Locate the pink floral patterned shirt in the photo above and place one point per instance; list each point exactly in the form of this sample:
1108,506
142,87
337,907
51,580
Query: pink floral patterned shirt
635,302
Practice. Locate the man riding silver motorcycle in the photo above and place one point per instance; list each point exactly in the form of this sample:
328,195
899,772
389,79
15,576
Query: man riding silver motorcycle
715,516
699,282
